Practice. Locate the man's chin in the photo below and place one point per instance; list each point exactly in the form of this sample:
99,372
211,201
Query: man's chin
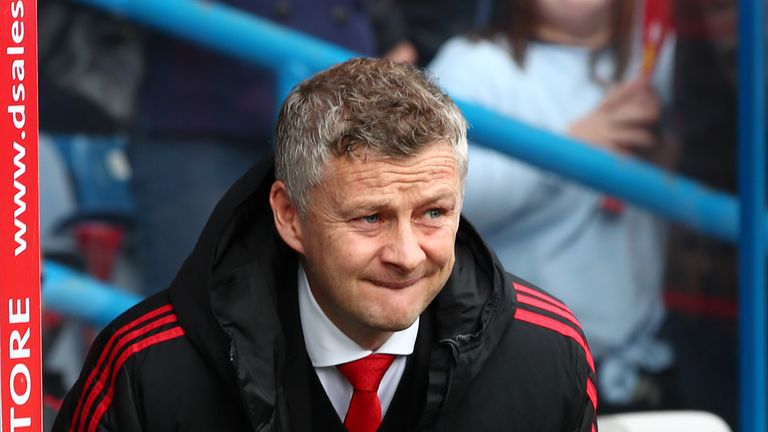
395,323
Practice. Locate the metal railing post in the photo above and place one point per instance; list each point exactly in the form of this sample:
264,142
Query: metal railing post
752,296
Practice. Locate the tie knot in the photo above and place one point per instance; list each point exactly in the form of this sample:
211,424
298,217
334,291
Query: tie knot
366,373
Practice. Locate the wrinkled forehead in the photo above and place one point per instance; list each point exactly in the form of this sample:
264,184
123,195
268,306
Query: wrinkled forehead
359,176
365,158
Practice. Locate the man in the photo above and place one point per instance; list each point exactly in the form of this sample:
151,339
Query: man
343,290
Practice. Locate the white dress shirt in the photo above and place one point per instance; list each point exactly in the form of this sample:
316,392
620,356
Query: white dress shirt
328,347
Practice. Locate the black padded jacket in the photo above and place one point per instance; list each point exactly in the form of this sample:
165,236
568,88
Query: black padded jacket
209,353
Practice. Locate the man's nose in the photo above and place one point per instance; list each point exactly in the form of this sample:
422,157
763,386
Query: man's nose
404,250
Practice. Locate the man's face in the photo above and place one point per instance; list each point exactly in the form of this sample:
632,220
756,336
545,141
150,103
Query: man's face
378,239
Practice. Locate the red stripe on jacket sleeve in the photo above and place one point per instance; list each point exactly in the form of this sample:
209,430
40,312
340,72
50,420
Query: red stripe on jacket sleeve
522,298
106,351
592,393
542,296
557,326
131,350
102,379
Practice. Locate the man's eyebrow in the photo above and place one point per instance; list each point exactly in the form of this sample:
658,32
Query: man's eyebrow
363,206
443,196
367,205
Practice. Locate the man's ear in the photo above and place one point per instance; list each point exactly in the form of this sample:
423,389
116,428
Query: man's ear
287,217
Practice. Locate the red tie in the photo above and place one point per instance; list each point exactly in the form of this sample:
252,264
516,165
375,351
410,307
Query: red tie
364,414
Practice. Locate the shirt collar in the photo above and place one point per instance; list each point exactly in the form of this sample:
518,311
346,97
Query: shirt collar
328,346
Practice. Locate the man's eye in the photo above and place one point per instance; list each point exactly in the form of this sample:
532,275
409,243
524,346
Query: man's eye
434,213
371,219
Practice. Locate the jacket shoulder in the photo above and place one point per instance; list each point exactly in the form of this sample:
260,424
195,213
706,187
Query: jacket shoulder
105,395
144,374
539,377
537,308
553,337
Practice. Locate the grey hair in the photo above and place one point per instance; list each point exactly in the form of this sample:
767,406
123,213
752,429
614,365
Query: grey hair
390,109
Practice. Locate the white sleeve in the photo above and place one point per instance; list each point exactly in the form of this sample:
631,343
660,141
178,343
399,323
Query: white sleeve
470,70
498,187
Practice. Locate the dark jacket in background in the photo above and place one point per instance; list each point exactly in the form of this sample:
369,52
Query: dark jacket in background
192,91
221,350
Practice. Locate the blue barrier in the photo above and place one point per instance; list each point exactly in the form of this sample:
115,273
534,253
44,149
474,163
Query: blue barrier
292,54
72,293
229,30
679,199
752,277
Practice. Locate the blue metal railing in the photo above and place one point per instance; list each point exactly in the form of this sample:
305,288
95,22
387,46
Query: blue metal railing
72,293
675,197
292,56
752,296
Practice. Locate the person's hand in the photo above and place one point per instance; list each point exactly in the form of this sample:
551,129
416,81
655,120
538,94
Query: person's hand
624,122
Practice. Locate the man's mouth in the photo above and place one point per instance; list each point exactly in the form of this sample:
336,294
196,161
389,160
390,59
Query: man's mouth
395,284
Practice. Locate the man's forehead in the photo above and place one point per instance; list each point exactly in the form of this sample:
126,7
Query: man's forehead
365,157
421,170
375,183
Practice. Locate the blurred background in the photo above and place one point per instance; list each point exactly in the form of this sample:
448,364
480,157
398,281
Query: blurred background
146,119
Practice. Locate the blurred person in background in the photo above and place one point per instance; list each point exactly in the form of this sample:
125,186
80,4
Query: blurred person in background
573,67
204,118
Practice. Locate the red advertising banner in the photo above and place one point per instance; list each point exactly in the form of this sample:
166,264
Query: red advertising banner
20,356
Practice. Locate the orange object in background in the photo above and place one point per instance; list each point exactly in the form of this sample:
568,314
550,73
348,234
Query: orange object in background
657,23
